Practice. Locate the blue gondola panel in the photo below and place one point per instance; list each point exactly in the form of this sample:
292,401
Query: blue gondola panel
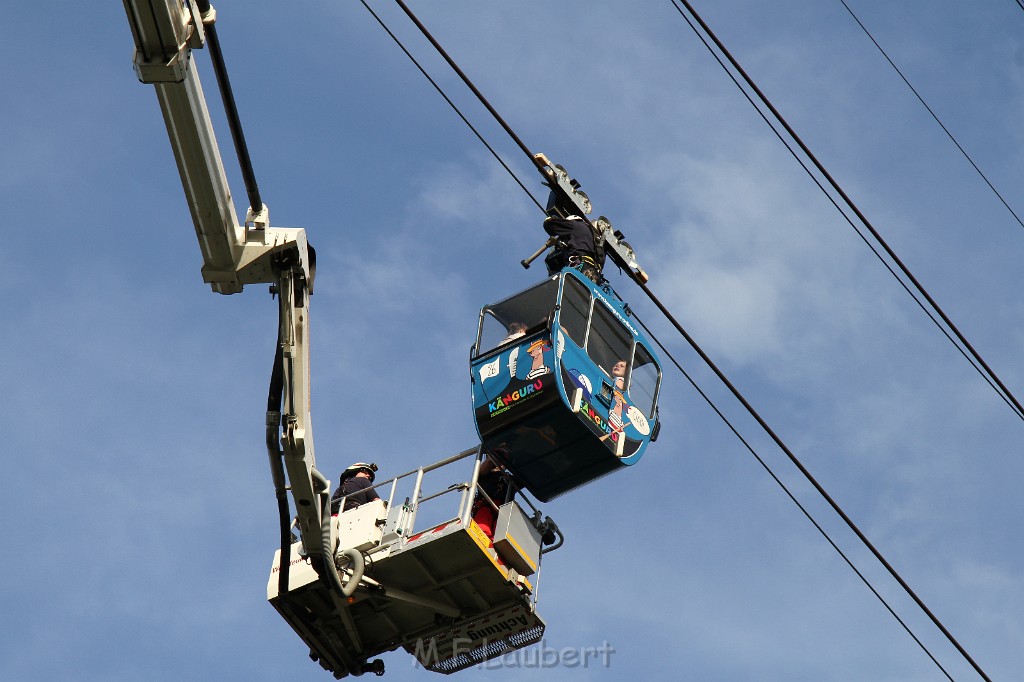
574,397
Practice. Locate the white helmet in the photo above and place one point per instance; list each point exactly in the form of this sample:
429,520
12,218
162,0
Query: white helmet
369,468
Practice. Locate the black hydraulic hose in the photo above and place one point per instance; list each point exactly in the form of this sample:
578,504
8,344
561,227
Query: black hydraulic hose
231,110
277,466
558,543
327,569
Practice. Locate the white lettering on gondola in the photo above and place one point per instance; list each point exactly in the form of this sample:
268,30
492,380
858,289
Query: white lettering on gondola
616,313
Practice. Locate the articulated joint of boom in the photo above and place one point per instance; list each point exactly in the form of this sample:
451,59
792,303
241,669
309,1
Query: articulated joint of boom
257,259
567,199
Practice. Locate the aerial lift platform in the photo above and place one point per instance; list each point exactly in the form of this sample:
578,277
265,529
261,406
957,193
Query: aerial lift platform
440,588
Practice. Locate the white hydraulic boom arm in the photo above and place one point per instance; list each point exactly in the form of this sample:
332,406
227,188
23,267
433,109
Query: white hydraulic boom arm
166,32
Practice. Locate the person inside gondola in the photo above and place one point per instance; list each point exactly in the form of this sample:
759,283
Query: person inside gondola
492,481
618,400
355,486
576,245
619,372
516,330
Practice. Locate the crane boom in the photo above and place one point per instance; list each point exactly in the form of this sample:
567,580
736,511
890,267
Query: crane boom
234,254
165,34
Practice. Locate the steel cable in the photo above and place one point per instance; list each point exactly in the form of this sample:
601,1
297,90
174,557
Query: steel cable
849,221
710,363
933,114
452,105
1008,395
791,496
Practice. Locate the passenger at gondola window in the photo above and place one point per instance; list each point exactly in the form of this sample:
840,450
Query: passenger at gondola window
619,372
516,330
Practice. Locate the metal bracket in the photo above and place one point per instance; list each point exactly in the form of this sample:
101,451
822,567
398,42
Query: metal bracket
568,200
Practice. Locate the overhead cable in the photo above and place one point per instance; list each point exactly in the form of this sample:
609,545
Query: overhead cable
807,474
465,79
452,105
791,496
933,114
860,233
849,202
1004,391
892,571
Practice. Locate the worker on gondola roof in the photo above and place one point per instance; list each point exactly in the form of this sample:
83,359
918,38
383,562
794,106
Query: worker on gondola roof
576,246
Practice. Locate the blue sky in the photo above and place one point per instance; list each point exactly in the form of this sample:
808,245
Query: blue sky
141,513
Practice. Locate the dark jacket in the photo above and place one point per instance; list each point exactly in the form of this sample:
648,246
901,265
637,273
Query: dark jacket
578,238
354,489
495,484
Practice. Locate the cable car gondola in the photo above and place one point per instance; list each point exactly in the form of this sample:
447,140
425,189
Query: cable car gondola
565,385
